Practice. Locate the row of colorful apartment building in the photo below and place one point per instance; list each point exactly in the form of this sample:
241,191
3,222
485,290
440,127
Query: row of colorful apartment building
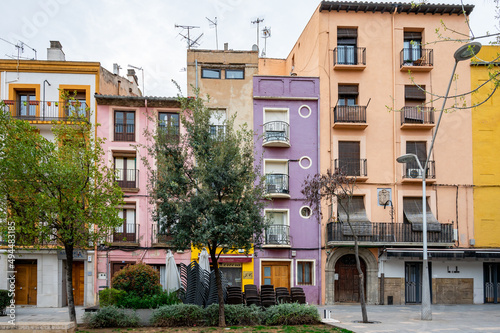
343,99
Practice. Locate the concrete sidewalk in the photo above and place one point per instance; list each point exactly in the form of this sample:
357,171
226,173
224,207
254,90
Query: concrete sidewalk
31,314
396,318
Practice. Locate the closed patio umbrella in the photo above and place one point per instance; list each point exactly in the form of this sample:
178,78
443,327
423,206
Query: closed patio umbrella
204,263
172,277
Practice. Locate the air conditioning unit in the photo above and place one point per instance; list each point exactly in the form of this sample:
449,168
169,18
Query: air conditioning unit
414,173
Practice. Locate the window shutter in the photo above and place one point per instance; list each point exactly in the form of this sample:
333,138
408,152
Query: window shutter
348,90
348,150
347,32
413,92
413,35
418,148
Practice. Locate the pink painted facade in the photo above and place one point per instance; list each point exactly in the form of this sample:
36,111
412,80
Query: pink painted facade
123,121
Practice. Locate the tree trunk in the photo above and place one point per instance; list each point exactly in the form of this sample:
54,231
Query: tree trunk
220,294
364,314
69,282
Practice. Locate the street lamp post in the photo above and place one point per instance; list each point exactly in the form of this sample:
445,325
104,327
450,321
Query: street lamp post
464,52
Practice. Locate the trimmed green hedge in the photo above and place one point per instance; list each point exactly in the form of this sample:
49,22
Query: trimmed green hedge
178,315
291,314
111,316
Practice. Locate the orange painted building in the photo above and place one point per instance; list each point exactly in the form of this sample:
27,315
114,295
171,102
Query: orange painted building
370,57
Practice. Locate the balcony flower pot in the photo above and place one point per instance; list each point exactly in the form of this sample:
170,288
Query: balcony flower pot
49,103
34,102
9,102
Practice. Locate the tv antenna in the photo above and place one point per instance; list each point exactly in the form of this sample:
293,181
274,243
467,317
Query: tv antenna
257,21
214,24
266,33
20,49
190,42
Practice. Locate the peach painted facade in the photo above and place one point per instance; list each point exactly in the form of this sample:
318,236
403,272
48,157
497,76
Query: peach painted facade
137,240
363,53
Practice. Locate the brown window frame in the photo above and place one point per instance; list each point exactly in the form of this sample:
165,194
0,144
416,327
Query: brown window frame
124,135
311,275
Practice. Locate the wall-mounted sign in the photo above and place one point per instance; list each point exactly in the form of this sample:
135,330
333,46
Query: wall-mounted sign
248,275
77,254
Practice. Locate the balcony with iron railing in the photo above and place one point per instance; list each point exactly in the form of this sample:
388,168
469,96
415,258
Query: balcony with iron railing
277,185
388,234
417,117
276,134
46,110
128,179
349,57
412,172
124,132
160,238
125,235
416,59
352,167
349,116
277,236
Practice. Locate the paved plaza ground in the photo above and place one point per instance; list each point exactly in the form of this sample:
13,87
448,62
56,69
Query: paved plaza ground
391,318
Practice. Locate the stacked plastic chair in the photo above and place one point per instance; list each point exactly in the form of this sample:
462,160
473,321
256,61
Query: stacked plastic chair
212,297
197,285
234,295
282,295
298,295
267,295
252,295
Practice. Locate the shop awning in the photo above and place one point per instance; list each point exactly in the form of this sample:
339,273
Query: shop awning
412,208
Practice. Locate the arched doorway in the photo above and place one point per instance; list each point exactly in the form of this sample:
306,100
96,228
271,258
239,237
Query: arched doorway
347,285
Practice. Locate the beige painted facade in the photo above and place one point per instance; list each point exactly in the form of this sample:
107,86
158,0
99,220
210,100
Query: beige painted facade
229,95
382,138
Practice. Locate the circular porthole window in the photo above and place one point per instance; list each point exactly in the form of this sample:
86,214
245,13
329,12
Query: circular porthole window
304,111
305,212
305,162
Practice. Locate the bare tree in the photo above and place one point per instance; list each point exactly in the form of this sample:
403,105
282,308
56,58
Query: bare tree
337,188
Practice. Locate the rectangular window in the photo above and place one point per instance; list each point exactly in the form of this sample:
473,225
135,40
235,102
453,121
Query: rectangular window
209,73
127,231
347,39
412,46
304,273
349,158
276,177
169,123
77,105
235,74
418,148
278,230
348,95
124,126
26,104
126,171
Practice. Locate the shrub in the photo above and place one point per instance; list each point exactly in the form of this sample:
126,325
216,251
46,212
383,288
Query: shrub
111,296
134,301
178,315
235,315
140,279
111,316
291,314
4,298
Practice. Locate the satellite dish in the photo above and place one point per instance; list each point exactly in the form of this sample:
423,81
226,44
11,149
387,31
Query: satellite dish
255,47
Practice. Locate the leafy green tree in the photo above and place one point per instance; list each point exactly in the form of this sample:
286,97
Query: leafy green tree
59,192
206,187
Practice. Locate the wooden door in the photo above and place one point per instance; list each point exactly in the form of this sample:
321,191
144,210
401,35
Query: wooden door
26,283
347,285
78,282
276,274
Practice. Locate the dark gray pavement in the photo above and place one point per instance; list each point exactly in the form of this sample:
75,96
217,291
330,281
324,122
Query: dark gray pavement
392,318
399,318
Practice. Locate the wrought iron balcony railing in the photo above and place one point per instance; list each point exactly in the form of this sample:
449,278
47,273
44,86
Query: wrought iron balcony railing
417,115
127,178
349,114
349,55
47,110
416,57
276,131
352,167
277,183
127,233
159,236
277,235
389,233
412,171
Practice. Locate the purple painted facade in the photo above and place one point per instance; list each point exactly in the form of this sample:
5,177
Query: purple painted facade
286,111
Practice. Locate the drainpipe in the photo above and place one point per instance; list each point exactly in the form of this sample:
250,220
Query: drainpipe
196,72
394,154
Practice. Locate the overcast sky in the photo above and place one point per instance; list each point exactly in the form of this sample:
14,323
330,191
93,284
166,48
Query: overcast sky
142,33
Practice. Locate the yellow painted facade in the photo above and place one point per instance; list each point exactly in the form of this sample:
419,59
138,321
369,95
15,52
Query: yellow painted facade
247,268
486,161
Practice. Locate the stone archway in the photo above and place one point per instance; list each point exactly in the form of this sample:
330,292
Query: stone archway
372,284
